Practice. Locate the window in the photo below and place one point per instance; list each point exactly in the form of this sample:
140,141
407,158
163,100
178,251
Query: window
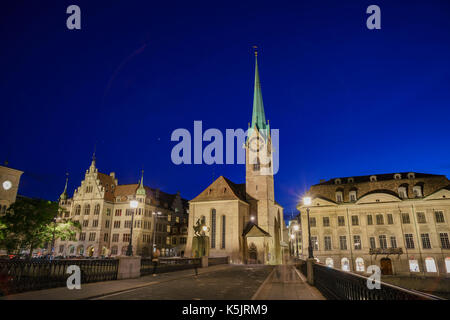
439,216
430,264
390,218
352,195
329,262
339,197
85,223
380,219
417,190
223,233
256,165
107,223
78,210
92,236
369,220
183,240
327,243
409,241
315,243
445,243
383,241
357,242
312,222
116,224
421,217
402,192
326,221
393,242
359,262
87,210
114,250
127,224
426,244
126,237
414,266
129,212
447,264
345,265
105,237
118,212
372,243
97,209
115,237
174,241
61,248
168,228
405,218
82,236
373,178
95,223
108,212
343,242
355,221
341,221
213,228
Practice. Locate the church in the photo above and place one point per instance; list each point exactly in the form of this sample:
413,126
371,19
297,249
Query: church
243,221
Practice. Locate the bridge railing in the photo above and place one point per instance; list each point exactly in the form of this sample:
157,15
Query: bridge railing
341,285
168,264
26,275
212,261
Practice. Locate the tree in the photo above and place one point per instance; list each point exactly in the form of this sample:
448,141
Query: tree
29,223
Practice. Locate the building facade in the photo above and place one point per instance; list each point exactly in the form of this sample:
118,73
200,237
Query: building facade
399,222
244,220
9,179
103,208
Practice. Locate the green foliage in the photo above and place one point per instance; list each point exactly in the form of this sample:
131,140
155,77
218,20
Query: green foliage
29,223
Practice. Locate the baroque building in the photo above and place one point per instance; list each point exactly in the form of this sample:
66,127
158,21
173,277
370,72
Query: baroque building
398,221
102,206
244,220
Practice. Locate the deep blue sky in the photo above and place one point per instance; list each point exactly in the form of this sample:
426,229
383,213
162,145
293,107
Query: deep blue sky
347,100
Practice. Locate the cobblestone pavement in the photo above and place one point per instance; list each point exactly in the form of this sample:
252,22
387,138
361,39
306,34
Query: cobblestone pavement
237,282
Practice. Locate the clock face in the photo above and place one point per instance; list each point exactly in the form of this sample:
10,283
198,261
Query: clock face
7,184
256,144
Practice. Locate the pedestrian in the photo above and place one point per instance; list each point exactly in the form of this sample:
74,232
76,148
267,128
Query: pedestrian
156,254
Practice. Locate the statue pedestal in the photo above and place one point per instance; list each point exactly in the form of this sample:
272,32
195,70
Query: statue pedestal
200,246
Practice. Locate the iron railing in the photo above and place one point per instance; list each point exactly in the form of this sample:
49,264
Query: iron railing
340,285
27,275
212,261
168,265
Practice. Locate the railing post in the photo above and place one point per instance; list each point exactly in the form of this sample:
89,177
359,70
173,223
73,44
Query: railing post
129,267
310,271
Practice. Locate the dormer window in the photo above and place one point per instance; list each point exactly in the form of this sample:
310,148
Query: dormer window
403,192
339,196
337,181
411,175
373,178
418,191
352,195
350,180
397,176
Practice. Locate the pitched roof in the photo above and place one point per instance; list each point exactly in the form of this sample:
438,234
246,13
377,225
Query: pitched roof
107,180
250,225
380,177
222,189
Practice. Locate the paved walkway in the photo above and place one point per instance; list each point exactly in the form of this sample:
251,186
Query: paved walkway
98,289
222,282
287,283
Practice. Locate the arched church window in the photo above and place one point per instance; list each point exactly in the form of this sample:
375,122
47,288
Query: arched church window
213,228
256,165
223,232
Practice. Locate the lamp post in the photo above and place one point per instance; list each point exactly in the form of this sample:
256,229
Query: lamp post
53,238
133,205
296,228
307,202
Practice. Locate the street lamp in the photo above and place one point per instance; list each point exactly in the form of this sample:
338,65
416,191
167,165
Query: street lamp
307,202
133,205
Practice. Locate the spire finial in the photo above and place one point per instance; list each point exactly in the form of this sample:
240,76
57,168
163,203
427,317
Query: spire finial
63,195
255,50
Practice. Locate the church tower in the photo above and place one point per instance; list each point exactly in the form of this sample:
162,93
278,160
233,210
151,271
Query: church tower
259,173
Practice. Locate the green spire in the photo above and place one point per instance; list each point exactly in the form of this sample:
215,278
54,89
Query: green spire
63,195
141,190
258,117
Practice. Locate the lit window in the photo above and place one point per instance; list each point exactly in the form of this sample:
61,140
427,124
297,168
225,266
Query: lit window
430,265
359,264
447,264
345,265
329,262
414,266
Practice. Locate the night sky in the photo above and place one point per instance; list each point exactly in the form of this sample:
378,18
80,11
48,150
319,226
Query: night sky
348,101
